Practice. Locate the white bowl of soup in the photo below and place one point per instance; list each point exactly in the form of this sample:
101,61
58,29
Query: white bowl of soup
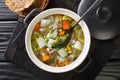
47,30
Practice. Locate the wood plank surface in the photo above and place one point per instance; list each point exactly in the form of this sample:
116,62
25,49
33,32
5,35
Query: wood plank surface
8,21
6,14
6,29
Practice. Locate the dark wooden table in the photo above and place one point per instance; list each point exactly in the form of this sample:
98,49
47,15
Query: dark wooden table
10,71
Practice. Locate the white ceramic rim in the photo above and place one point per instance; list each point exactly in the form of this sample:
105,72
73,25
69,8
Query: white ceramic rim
74,64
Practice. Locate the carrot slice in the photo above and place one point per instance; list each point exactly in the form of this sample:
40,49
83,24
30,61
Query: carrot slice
59,16
67,62
46,58
37,26
61,33
43,50
65,25
59,64
68,47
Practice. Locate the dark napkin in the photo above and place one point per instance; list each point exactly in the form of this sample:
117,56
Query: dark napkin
16,51
11,49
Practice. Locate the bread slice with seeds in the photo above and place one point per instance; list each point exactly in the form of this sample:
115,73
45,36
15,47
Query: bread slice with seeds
23,7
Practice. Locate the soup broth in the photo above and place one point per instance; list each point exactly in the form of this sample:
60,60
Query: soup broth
49,32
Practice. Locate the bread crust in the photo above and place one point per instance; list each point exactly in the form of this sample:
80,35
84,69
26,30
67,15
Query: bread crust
23,7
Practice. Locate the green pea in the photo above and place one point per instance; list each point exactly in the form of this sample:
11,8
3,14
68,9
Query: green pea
49,27
60,30
65,49
72,46
67,18
46,39
35,49
50,31
70,52
67,34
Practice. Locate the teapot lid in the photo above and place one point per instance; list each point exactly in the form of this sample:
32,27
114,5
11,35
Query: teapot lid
103,21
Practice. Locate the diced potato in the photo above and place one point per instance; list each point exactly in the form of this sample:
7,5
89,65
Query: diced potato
57,19
62,52
41,42
60,59
42,54
51,18
45,22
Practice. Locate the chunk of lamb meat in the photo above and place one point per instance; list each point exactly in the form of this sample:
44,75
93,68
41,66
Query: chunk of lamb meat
53,53
71,57
44,30
56,26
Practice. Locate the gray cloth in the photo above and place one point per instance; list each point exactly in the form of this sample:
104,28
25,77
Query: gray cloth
16,48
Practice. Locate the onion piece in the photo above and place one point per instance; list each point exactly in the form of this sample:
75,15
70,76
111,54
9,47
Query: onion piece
51,42
78,45
53,34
